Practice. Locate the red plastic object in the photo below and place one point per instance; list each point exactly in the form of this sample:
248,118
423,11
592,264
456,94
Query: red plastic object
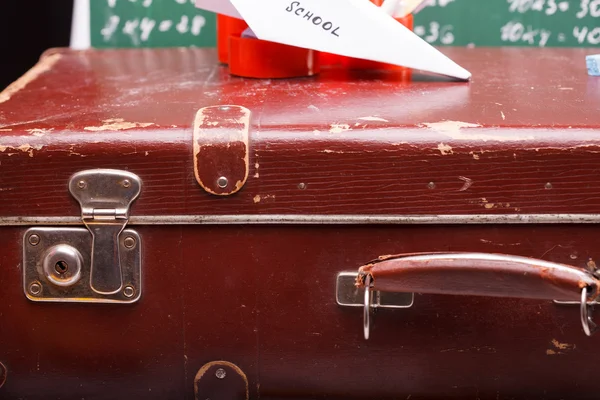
254,58
331,60
226,27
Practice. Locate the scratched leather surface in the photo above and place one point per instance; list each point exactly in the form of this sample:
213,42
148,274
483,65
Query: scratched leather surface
362,144
502,276
263,298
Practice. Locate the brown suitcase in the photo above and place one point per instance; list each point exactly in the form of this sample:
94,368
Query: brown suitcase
172,232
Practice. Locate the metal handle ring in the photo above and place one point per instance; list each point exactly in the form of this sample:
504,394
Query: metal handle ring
589,327
367,309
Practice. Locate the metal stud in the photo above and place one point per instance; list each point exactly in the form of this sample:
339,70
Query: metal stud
220,373
222,182
129,242
35,288
129,291
34,240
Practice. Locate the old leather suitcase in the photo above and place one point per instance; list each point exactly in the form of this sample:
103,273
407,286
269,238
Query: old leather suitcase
172,232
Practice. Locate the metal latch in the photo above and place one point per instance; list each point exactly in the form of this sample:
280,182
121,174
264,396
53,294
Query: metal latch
99,264
348,295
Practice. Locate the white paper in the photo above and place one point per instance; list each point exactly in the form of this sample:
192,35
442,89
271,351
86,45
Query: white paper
390,6
80,25
409,6
353,28
220,7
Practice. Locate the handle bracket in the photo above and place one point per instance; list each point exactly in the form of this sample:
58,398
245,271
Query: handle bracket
348,295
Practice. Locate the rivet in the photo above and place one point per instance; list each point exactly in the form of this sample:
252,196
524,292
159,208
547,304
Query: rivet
81,184
302,186
35,288
129,291
220,373
573,256
34,240
129,242
548,185
431,185
126,183
222,182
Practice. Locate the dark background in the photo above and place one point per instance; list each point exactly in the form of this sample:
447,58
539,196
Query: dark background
27,29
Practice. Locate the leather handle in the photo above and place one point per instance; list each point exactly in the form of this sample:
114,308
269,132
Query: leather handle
478,274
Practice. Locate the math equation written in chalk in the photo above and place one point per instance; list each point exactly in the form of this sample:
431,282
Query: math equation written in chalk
529,23
534,23
150,23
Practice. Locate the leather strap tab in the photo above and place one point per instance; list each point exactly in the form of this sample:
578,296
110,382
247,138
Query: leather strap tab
221,148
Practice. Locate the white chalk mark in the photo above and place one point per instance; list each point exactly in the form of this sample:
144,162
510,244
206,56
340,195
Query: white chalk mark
147,26
197,24
165,25
182,26
130,29
110,28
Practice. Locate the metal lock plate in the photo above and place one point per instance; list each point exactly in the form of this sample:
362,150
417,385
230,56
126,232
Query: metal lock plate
100,264
348,295
44,266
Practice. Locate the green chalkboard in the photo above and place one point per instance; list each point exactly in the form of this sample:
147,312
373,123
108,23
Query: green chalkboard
535,23
150,23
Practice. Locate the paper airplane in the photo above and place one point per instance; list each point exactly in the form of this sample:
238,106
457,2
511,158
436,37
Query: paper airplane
351,28
220,7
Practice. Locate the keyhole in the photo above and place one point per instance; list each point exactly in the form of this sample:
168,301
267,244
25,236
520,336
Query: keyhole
61,267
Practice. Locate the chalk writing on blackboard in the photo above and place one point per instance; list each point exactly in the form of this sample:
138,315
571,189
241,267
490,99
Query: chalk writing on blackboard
143,21
530,22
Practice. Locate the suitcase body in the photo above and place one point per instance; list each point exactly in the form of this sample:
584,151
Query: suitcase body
239,212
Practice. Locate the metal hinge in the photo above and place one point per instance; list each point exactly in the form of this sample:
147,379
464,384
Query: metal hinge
99,264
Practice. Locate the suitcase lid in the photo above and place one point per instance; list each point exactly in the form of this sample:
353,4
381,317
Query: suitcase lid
521,139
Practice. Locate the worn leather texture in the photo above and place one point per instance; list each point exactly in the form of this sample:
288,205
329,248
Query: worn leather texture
221,148
361,142
522,138
473,274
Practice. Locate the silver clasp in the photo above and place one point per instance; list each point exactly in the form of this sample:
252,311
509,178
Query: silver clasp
105,197
98,263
